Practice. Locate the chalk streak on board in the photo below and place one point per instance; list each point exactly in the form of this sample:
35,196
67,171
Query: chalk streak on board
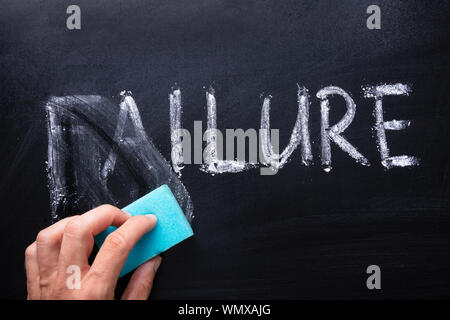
88,138
334,132
129,109
299,135
55,165
378,92
175,130
212,153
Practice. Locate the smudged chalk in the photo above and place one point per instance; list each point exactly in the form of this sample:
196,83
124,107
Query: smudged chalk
89,137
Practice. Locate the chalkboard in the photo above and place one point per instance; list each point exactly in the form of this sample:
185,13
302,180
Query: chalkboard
303,232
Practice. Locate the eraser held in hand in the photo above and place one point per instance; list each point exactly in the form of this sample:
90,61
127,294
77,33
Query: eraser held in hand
172,227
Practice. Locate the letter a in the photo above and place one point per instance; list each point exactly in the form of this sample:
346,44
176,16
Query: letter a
74,20
374,281
374,20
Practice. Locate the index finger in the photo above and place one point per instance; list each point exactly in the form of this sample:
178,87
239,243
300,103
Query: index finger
114,252
102,217
78,237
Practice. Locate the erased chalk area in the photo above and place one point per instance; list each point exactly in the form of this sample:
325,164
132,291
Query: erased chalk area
98,152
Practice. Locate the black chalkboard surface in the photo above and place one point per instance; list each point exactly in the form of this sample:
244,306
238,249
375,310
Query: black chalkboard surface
300,233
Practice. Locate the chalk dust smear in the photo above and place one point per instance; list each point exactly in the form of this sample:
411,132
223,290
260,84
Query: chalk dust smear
98,152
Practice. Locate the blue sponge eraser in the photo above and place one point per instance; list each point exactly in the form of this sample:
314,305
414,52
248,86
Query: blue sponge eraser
172,227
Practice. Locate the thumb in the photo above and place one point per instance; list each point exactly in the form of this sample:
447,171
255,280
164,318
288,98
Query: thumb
141,281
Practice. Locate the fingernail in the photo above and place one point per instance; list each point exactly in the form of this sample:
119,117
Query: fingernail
128,214
151,216
158,261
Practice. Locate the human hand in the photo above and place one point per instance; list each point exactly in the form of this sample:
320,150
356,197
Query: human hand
64,248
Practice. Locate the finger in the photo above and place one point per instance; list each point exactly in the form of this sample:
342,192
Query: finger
32,272
48,244
78,237
141,281
114,252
